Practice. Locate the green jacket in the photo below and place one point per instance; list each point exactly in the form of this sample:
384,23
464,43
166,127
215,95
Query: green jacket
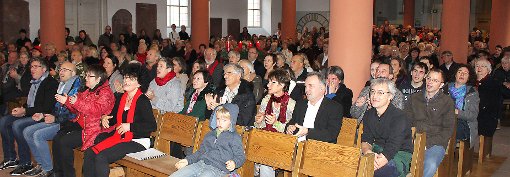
402,160
200,106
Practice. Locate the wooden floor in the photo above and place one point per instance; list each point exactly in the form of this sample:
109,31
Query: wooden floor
497,166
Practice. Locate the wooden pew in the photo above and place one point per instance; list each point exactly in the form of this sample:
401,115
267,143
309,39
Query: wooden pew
350,133
465,163
269,148
316,158
418,154
158,118
485,149
174,128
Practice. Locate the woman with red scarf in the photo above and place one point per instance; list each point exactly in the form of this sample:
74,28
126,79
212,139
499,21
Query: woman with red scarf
89,105
128,127
141,55
165,91
275,109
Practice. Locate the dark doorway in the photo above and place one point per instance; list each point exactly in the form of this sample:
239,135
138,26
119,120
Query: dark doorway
233,28
146,18
216,27
121,20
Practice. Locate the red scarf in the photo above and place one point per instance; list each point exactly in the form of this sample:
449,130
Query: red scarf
212,67
141,57
117,138
284,101
164,80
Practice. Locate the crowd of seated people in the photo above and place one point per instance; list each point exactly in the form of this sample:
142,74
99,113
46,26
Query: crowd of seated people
91,97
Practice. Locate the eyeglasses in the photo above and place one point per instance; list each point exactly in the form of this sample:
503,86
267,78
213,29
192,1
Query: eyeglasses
64,69
377,93
433,80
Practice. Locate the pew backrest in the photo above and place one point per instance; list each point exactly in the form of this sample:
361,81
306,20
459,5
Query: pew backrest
316,158
176,128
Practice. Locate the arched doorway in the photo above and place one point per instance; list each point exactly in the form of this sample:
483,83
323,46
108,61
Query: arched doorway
121,20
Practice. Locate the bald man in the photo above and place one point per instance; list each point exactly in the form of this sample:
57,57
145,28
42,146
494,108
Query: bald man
214,66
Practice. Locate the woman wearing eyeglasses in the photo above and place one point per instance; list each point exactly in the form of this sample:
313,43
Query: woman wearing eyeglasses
128,127
93,101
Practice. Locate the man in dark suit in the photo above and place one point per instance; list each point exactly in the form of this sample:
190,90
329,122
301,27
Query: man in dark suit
336,89
449,66
316,118
214,67
132,40
236,91
322,60
253,54
297,66
183,35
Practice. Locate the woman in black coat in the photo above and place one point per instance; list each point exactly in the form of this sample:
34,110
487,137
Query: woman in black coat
490,99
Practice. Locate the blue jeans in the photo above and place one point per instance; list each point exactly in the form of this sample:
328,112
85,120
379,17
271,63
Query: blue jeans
433,157
8,137
23,150
37,136
199,169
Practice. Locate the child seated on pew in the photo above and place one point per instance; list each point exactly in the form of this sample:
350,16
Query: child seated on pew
221,151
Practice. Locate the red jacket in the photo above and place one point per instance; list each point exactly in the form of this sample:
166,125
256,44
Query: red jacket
89,107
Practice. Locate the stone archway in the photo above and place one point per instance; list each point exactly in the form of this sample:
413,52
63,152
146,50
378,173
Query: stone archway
121,20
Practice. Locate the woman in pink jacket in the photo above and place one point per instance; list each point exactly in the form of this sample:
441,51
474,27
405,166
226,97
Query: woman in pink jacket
94,100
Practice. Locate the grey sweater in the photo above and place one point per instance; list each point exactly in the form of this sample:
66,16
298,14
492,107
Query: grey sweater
216,150
168,97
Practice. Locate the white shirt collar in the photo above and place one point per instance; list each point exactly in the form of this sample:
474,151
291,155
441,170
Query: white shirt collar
317,105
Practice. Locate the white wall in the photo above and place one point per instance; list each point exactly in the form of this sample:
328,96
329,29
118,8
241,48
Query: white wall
229,9
130,5
34,6
276,15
